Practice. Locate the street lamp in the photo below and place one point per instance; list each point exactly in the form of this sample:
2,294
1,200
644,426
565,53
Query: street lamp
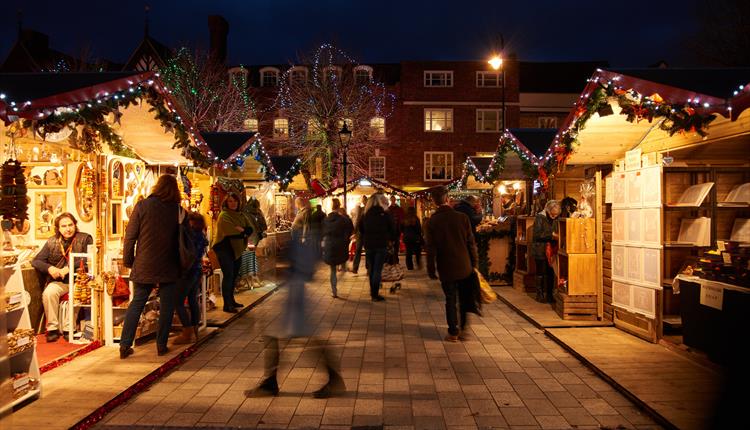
345,136
497,64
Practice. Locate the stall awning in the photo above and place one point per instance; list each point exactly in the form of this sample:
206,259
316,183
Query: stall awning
227,144
147,138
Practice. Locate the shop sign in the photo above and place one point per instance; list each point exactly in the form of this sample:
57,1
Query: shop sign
633,159
713,297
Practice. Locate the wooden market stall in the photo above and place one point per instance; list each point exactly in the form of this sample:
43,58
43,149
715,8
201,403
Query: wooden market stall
672,145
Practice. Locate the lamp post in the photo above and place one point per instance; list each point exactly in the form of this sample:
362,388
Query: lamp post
345,136
497,64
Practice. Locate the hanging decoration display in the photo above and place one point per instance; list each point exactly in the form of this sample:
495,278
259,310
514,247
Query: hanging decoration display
85,192
366,181
14,204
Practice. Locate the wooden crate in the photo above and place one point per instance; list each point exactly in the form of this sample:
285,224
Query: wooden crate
577,235
580,272
580,308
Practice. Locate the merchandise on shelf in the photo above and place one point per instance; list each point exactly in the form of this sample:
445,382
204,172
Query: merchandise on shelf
82,288
13,300
14,204
20,340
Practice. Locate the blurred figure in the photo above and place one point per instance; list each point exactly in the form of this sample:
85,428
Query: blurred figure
544,237
293,321
470,206
377,230
337,229
357,215
450,244
316,225
153,229
412,238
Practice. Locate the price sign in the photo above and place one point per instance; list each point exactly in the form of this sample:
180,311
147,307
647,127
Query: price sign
712,297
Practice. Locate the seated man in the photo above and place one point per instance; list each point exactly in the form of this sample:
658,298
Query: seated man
52,261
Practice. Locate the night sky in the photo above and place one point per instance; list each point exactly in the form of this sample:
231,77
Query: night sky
272,31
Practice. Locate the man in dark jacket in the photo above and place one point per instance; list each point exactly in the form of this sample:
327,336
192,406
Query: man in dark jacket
397,214
469,207
316,226
377,230
544,233
52,263
357,214
451,244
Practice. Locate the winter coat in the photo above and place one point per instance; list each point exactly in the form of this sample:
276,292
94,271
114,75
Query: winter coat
51,254
337,229
450,244
376,228
153,227
475,218
412,232
544,226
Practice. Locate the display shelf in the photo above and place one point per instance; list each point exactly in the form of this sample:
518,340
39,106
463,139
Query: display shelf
525,268
73,258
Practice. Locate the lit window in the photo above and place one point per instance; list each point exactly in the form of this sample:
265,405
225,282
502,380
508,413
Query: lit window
251,124
269,77
438,166
488,79
349,124
377,128
313,127
298,75
280,128
488,120
333,73
546,122
440,120
438,78
377,168
362,75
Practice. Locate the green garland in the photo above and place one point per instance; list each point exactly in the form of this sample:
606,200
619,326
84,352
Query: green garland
497,164
483,248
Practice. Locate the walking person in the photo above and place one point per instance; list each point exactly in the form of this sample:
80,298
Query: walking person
450,246
189,284
357,214
397,214
469,206
545,237
376,229
337,229
230,240
316,226
412,238
153,229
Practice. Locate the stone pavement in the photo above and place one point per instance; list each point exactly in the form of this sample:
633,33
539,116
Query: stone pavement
399,372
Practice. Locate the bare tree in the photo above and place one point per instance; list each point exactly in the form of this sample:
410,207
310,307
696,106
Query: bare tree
211,98
324,90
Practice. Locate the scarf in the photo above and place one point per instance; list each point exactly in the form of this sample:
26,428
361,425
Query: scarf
226,228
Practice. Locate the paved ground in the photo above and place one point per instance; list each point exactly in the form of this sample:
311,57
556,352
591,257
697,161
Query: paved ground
399,372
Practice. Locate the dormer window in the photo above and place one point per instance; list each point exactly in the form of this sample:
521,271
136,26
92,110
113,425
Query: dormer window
362,75
269,77
238,76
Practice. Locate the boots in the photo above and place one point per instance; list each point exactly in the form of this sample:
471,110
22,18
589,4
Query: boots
269,387
541,289
185,337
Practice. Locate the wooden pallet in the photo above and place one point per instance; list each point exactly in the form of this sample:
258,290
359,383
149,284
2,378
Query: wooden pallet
578,308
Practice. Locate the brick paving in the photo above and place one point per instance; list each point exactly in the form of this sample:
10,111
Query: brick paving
399,372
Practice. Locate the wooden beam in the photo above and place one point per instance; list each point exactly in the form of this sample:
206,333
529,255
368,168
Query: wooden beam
599,251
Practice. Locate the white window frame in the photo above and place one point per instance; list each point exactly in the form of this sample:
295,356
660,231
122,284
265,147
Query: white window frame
498,120
336,69
428,166
272,70
428,120
370,170
540,119
377,135
239,71
248,120
360,68
277,135
295,69
482,73
448,78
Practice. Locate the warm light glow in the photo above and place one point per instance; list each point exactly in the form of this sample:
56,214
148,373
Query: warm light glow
517,186
496,62
502,190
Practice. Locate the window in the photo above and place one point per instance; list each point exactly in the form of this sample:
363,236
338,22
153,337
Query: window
439,120
377,168
333,73
313,127
251,124
238,77
488,120
269,77
489,79
298,75
377,128
438,166
546,122
280,128
362,75
438,78
349,124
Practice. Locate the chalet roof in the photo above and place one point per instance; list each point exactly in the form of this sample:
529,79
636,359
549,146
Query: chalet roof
536,140
22,87
720,83
224,144
283,163
152,46
556,77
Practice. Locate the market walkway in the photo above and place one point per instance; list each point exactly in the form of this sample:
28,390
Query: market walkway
398,370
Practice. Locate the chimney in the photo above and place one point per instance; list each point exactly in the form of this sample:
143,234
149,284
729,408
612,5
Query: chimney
218,28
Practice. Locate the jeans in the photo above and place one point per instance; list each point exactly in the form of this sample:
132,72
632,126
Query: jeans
456,291
358,255
375,259
415,249
230,267
334,280
167,292
188,287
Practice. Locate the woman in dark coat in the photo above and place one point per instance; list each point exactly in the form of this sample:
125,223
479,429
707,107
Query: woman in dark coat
544,233
153,227
337,229
412,238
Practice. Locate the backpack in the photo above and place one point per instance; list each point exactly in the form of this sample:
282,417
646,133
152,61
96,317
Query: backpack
186,246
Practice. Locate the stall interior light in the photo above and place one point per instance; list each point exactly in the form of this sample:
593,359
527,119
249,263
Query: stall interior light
517,186
502,190
365,183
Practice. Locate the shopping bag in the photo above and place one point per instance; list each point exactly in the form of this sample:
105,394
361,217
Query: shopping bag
485,291
392,273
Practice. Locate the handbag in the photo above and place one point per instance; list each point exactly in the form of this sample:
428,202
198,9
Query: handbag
485,291
186,246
